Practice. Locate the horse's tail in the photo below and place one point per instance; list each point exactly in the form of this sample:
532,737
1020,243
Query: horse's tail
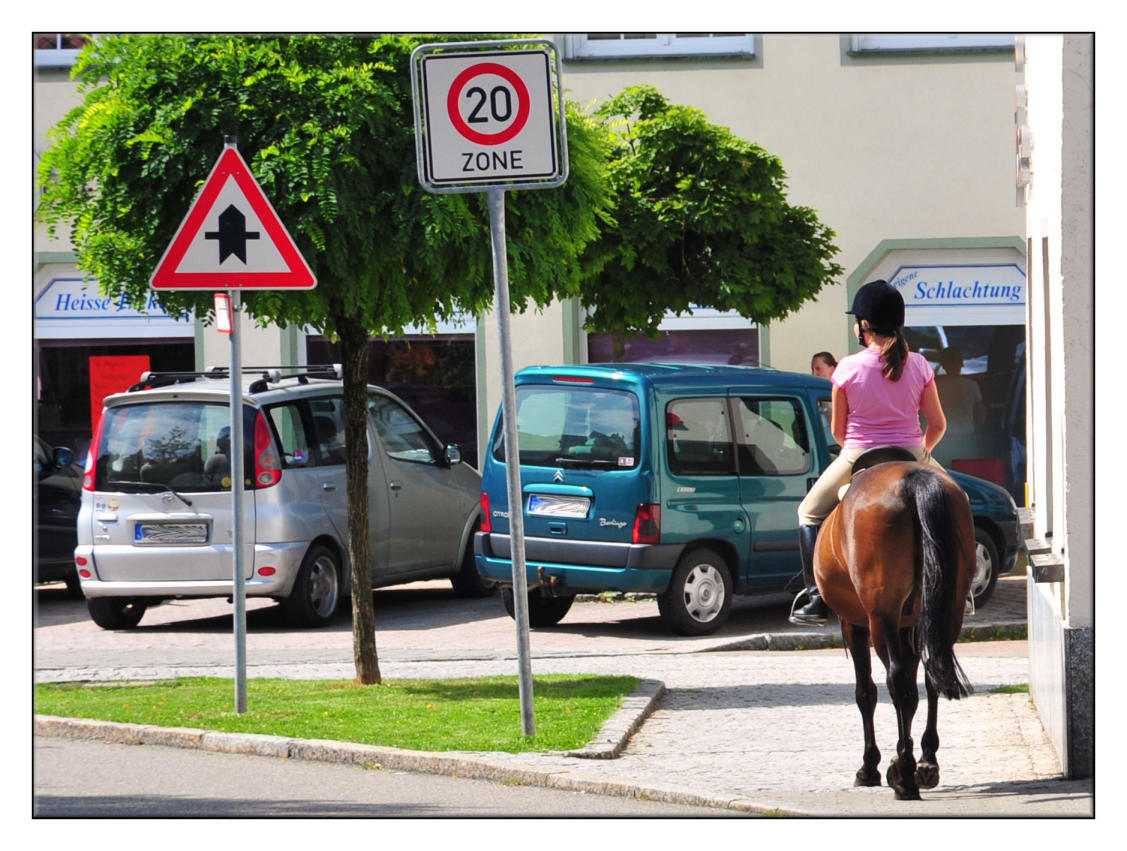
941,606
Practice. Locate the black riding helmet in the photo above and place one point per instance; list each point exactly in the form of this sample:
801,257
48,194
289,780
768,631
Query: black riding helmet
880,303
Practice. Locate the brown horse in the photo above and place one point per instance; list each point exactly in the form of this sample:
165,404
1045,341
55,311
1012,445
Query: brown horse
894,561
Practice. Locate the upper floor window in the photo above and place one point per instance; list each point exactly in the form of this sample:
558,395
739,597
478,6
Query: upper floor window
657,45
56,50
929,42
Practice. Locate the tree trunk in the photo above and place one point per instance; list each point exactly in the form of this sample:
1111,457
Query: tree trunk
354,352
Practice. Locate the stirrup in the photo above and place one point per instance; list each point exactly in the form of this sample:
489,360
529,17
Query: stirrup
806,619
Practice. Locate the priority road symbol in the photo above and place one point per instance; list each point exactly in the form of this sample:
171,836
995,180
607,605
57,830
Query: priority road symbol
487,118
231,239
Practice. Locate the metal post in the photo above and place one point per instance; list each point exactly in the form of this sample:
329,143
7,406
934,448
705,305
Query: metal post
512,454
237,474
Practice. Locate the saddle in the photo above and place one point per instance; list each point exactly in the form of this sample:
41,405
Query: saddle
871,458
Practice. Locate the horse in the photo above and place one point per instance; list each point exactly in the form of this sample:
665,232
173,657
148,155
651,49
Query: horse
894,562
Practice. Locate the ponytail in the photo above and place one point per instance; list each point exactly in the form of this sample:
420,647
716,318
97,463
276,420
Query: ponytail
894,355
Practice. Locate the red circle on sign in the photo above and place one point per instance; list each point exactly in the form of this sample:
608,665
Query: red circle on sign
524,105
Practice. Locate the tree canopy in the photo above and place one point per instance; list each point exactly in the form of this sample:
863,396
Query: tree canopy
326,125
700,220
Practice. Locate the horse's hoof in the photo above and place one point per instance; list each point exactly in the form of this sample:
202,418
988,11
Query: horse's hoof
927,775
903,791
867,777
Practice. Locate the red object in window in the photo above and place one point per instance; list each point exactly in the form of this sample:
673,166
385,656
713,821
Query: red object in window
991,469
113,374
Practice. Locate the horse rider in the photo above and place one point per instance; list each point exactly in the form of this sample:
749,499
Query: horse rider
878,394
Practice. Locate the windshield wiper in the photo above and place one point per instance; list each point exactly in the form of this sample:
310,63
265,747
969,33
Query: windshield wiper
574,461
159,486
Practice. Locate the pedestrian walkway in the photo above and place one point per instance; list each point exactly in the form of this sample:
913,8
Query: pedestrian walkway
735,725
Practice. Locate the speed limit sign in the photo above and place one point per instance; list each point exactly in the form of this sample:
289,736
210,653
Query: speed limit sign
487,118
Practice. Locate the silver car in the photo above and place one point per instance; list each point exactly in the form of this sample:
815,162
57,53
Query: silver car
156,516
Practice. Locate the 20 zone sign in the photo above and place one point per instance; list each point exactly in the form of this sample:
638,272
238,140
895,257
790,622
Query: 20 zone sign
487,118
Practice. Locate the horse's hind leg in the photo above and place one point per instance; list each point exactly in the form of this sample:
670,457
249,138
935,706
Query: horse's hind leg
857,640
927,771
902,670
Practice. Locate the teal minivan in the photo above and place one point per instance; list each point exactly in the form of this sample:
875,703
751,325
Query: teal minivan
678,480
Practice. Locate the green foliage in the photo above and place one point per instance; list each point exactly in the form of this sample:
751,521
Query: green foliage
700,218
481,714
326,125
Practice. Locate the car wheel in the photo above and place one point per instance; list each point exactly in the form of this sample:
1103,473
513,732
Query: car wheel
116,612
543,610
699,595
316,593
986,567
467,582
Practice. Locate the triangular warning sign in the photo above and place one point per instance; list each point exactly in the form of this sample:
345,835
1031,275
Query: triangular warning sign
232,239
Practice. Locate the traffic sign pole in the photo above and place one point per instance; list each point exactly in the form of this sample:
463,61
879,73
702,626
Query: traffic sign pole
485,121
512,456
237,490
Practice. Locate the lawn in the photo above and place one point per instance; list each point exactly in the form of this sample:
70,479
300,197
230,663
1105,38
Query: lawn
479,714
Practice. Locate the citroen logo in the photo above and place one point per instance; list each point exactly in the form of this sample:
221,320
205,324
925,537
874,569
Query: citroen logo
558,477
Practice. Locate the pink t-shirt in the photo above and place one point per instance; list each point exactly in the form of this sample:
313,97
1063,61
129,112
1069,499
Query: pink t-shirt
882,412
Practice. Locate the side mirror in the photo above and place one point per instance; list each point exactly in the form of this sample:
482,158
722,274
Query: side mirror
453,454
63,457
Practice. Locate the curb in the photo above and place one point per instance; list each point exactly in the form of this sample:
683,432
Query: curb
825,639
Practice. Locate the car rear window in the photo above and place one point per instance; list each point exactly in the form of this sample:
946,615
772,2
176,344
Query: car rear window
182,445
575,427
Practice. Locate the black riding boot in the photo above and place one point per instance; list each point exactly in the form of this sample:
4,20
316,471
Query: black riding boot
815,611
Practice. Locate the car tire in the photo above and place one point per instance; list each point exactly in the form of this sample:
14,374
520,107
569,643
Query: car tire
116,612
467,582
699,596
987,566
543,610
317,593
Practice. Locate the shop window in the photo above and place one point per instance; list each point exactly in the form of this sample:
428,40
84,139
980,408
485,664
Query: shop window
658,45
434,375
733,346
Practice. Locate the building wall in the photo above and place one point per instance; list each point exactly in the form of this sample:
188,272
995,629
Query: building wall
1059,78
889,148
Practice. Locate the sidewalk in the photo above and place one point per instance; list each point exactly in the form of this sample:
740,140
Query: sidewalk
738,726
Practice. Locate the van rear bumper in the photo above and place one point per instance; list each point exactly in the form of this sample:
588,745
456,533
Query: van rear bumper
590,566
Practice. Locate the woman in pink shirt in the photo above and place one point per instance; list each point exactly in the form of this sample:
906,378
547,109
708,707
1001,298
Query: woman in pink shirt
878,394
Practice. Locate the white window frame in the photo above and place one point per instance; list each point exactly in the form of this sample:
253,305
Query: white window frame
871,43
55,57
580,46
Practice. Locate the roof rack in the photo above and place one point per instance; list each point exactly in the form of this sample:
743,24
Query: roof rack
270,375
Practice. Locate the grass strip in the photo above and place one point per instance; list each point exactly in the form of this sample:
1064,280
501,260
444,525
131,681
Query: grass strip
478,714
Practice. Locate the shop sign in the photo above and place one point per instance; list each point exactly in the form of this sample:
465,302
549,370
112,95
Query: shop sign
962,294
72,307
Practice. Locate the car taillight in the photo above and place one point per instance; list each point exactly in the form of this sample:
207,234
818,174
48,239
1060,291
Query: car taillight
92,455
267,464
486,519
647,524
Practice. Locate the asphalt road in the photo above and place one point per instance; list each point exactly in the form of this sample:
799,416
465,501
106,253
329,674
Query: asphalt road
87,779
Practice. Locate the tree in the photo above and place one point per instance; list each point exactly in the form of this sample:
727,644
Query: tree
700,219
326,125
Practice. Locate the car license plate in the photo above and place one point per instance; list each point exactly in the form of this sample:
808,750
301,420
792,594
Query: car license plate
558,506
170,533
